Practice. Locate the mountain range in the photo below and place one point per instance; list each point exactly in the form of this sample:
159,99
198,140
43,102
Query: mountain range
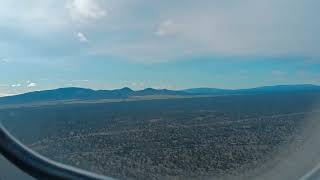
74,93
263,89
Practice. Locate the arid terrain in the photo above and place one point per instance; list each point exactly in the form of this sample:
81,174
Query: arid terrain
179,138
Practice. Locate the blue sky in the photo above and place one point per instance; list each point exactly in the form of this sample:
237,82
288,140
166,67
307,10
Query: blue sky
108,44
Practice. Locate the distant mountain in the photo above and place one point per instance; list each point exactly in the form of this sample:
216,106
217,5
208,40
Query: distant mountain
264,89
48,95
284,88
207,91
69,94
151,91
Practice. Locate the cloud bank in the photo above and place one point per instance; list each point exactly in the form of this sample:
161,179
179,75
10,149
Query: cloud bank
160,30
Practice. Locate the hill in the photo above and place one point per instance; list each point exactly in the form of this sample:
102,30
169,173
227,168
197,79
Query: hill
73,93
263,89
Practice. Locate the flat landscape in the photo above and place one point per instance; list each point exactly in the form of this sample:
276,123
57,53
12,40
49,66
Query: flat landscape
166,138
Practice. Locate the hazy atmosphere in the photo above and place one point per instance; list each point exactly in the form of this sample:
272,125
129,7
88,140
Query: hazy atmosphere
161,90
161,44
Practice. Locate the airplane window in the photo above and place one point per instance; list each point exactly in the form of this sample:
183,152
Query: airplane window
137,89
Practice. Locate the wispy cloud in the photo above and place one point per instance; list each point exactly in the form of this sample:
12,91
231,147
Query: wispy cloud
82,37
32,84
16,85
85,10
239,28
166,28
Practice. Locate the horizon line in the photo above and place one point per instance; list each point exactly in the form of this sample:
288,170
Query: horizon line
203,87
